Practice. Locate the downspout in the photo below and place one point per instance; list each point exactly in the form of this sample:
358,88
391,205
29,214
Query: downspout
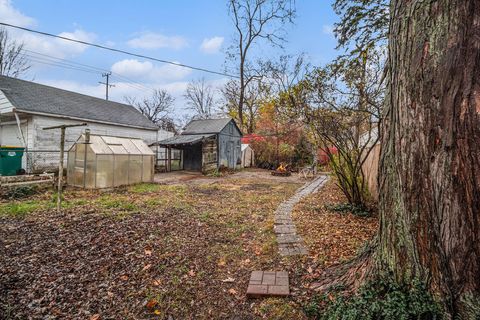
23,138
20,129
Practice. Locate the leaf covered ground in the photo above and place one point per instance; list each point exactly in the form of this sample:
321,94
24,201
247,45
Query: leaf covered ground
155,251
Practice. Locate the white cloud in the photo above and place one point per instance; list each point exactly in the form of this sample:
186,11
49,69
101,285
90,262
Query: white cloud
150,40
148,71
9,14
45,45
211,45
327,29
57,47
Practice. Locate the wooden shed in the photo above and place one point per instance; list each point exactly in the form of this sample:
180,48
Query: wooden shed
206,145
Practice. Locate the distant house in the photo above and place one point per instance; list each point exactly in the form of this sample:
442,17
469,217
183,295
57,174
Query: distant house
205,145
27,107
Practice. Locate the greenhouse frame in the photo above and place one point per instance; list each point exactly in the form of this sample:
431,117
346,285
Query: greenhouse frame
100,161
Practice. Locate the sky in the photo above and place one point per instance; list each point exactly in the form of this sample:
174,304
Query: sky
185,31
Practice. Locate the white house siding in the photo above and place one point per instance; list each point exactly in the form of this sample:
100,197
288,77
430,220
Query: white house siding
5,105
44,145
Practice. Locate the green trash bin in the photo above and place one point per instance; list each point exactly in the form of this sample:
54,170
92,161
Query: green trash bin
10,160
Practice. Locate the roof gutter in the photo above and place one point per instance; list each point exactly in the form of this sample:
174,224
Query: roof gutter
53,115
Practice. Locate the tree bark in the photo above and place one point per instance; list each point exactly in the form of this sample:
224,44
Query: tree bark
429,179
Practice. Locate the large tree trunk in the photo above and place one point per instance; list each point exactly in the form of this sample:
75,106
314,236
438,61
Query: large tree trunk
430,166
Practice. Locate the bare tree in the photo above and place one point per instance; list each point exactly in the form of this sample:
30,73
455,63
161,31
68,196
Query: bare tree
200,98
156,108
12,60
255,20
256,93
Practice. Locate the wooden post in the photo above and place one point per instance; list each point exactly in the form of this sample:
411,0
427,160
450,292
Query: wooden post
60,170
60,165
169,159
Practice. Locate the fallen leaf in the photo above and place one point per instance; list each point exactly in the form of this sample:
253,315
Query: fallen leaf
232,291
148,266
157,312
228,280
151,303
95,317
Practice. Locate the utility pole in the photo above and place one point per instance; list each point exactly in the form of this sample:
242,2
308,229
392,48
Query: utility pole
60,165
106,83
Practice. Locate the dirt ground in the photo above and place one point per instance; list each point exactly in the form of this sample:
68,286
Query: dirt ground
180,249
195,177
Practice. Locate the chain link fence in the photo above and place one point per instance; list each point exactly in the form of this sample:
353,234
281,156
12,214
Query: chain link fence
40,161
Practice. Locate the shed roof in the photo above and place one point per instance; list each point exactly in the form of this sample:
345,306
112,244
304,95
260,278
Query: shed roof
244,146
31,97
116,145
204,126
183,139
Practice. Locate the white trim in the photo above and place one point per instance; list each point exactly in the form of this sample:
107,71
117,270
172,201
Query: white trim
6,123
83,119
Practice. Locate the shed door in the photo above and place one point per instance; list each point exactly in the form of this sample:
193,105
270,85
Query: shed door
231,154
192,157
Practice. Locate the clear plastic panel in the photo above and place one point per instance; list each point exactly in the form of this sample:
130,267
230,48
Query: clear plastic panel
135,171
142,147
148,168
98,145
79,165
130,146
121,170
104,171
90,168
71,166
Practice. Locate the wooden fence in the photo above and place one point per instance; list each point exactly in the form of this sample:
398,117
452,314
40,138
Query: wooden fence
370,170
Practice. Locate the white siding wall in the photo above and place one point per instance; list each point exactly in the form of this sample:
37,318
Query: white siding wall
49,140
5,105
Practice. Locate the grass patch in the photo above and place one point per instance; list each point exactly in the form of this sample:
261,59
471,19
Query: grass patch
145,188
20,209
274,308
121,204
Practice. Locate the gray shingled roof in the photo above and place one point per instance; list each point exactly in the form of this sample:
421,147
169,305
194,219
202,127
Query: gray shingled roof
206,126
33,97
182,139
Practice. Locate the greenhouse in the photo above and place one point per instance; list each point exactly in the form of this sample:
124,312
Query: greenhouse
98,161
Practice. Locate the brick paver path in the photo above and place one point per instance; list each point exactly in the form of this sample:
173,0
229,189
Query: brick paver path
289,243
268,283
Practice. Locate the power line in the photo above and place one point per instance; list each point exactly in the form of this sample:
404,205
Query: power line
68,64
119,51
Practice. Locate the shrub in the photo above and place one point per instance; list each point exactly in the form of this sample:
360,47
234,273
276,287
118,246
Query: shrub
20,192
357,210
380,299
